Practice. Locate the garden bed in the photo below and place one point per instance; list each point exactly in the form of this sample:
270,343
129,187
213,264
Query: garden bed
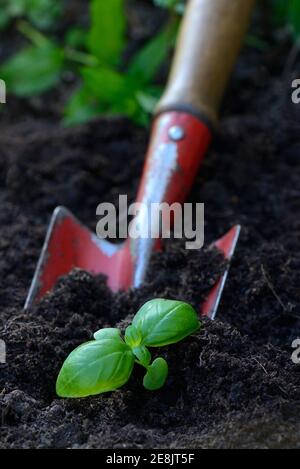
233,384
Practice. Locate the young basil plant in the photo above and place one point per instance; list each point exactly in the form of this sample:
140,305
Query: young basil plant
106,363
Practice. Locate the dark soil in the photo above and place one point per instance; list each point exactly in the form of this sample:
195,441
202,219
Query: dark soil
232,385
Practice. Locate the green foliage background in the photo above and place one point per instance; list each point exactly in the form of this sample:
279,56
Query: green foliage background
107,84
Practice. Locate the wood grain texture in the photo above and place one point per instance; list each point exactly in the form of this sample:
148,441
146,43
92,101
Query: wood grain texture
210,39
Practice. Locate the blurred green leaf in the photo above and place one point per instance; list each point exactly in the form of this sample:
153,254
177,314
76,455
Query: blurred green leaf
15,7
287,12
141,118
104,83
113,90
33,70
280,10
149,98
146,63
38,68
42,13
10,9
146,101
81,108
4,19
76,37
294,17
106,37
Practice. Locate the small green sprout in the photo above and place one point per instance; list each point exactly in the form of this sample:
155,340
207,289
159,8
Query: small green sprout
106,363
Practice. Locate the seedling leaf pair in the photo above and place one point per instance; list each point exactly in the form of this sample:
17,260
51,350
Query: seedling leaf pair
106,363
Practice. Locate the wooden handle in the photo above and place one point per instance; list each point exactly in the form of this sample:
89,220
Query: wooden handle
209,42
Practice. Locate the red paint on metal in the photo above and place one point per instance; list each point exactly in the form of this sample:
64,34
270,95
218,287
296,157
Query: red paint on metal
226,245
72,245
69,244
191,150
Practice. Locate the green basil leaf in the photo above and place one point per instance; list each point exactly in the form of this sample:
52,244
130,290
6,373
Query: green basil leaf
107,333
33,70
133,337
95,367
106,38
142,354
156,375
163,322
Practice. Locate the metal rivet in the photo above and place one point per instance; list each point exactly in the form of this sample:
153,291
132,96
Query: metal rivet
176,133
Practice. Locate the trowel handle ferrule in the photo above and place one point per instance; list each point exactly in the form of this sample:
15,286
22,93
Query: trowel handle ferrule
178,144
211,36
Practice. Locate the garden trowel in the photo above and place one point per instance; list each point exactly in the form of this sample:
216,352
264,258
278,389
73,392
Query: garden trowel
210,38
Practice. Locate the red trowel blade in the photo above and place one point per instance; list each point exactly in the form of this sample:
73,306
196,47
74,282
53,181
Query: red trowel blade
227,246
69,244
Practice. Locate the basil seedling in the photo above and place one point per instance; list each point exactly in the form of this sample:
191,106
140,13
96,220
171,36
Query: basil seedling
106,363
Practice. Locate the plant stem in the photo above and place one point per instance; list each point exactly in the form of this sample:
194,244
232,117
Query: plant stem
38,39
142,364
31,33
81,57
